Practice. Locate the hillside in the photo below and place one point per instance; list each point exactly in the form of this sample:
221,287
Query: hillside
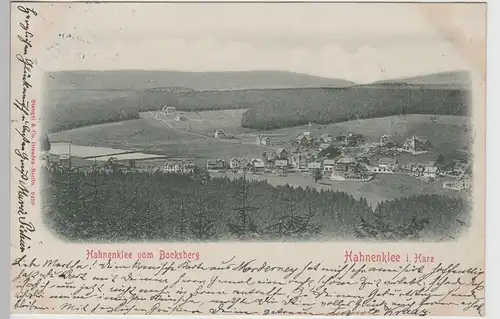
99,99
456,79
146,79
285,108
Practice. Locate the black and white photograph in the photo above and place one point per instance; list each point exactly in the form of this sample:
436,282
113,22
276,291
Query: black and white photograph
338,123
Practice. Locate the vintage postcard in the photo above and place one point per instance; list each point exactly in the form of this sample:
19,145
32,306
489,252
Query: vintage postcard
248,158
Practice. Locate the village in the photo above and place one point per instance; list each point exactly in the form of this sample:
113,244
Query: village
347,157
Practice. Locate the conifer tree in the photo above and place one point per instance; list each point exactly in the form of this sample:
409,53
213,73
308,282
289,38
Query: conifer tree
244,227
202,222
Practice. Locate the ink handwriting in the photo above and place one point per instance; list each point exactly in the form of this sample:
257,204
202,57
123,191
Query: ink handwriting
21,105
236,287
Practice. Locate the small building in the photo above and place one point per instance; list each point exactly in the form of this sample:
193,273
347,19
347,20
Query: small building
326,139
431,172
417,170
353,139
179,166
282,153
235,163
464,182
258,165
328,165
388,163
305,139
460,167
281,163
387,141
263,140
314,165
180,116
271,157
298,161
219,133
216,165
341,166
168,109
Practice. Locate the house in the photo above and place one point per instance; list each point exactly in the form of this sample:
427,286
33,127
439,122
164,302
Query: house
271,157
354,168
235,163
313,165
342,164
282,153
168,109
326,139
387,141
298,161
328,165
281,163
216,165
180,116
388,163
353,139
179,166
461,167
417,170
430,172
263,140
445,165
219,133
258,165
464,182
305,139
416,145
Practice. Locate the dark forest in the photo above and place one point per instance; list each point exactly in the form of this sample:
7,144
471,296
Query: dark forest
113,206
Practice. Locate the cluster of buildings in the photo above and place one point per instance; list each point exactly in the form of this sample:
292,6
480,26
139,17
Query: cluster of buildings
332,157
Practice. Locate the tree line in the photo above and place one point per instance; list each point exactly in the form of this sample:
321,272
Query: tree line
287,108
267,108
130,206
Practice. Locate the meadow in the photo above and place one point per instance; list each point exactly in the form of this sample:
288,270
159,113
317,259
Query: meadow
154,136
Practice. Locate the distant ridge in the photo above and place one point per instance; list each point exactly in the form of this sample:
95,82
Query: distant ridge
149,79
169,89
449,79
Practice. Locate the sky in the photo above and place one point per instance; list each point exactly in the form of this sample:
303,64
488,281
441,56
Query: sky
357,42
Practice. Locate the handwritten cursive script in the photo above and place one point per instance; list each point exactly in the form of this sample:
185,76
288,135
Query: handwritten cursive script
233,286
21,105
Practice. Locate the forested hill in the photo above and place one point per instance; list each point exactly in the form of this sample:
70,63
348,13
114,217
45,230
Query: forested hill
109,97
456,79
286,108
147,79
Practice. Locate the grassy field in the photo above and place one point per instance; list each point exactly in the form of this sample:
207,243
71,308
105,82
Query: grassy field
193,137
